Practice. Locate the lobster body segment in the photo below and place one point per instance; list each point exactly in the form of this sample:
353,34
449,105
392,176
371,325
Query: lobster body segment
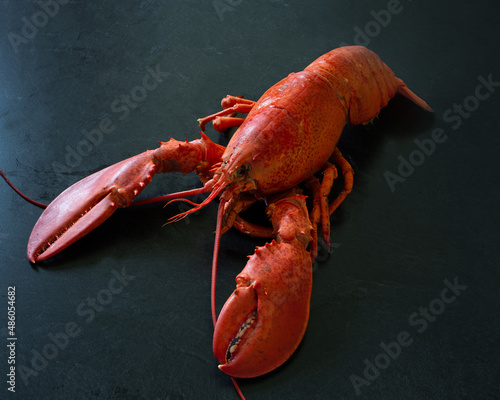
289,136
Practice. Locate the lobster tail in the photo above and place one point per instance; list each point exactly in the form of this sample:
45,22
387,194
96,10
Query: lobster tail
363,80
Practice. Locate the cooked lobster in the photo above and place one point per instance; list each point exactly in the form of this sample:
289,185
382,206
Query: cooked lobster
289,136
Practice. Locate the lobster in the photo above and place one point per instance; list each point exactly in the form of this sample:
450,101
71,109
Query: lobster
288,137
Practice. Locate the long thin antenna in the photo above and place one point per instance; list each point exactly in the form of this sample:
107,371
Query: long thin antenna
28,199
218,230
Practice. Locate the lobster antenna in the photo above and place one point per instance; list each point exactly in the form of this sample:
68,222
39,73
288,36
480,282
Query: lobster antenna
217,188
28,199
169,197
218,230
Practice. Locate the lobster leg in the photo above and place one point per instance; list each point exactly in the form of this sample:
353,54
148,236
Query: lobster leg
348,173
231,105
321,211
265,318
251,229
89,202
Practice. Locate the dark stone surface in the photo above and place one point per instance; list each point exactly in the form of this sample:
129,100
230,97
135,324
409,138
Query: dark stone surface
396,250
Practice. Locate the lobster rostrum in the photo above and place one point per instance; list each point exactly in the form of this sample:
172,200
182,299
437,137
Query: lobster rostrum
289,135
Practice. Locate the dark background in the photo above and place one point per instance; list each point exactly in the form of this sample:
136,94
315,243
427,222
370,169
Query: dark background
393,249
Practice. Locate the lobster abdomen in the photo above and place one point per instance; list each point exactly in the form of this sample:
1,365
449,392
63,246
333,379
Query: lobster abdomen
363,79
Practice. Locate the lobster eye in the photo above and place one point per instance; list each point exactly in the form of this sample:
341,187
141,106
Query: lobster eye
243,170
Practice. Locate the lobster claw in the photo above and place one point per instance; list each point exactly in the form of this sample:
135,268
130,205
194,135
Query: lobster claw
87,204
264,320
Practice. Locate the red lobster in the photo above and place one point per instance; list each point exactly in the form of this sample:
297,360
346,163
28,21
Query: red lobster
288,136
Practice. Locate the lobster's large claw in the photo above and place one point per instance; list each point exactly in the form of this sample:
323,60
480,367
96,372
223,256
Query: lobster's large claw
87,204
265,318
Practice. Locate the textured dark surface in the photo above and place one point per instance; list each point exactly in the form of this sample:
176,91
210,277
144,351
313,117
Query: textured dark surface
394,248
